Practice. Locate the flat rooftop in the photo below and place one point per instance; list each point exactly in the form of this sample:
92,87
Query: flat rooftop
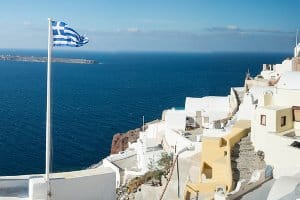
129,163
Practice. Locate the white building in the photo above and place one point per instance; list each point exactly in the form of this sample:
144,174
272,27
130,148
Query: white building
211,110
148,152
253,98
276,126
271,71
175,119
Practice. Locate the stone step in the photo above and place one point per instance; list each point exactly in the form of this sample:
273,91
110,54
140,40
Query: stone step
245,142
244,160
244,156
243,153
249,167
246,147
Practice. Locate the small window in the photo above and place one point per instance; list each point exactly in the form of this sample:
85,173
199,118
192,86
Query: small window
206,120
263,120
283,121
296,113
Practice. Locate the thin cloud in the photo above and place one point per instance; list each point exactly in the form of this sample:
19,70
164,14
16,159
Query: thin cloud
158,21
229,28
270,31
27,23
133,30
232,27
36,28
236,29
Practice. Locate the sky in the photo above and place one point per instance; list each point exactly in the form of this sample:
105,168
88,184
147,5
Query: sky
156,25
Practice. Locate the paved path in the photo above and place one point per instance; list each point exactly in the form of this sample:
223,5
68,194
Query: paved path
260,193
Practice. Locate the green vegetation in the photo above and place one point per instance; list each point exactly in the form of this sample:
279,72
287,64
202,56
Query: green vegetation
154,176
165,162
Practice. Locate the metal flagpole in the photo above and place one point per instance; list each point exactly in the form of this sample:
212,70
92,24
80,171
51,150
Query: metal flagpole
296,54
48,111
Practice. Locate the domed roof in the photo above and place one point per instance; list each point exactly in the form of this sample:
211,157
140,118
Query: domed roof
289,80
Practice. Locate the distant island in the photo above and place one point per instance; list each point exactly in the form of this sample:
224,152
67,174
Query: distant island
45,59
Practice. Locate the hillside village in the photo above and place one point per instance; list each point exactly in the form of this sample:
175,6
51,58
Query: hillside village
244,145
224,147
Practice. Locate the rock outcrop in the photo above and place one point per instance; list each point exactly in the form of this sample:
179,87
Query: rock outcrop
120,140
122,194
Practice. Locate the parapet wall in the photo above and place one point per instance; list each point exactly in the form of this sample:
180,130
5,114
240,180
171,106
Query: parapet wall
86,184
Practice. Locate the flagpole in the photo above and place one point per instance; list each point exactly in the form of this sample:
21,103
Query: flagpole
296,44
48,111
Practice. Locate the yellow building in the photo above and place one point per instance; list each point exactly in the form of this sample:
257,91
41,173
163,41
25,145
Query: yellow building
216,170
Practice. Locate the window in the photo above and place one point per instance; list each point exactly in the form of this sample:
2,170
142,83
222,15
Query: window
263,120
296,113
283,121
206,120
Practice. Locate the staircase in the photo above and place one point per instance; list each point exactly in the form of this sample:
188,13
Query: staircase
240,95
244,160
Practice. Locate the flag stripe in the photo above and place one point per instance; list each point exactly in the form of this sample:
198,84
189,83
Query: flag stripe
61,37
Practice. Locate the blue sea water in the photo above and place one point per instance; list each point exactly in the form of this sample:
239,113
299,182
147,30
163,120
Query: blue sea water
93,102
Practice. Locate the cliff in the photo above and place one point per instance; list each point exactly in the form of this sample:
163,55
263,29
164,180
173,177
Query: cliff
120,140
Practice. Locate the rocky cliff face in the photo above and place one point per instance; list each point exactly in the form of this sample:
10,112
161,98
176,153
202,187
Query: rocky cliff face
120,140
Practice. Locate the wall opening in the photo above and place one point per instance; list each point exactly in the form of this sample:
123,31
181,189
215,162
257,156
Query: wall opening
283,121
223,142
207,171
263,120
296,113
205,120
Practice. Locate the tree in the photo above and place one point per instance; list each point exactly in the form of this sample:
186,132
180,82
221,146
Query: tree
151,165
165,162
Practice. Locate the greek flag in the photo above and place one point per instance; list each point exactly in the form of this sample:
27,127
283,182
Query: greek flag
63,35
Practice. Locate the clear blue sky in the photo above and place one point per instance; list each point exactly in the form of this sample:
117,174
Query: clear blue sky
156,25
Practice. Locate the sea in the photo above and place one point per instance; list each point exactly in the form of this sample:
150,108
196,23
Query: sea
91,103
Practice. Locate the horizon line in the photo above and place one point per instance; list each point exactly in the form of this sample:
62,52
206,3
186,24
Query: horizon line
142,51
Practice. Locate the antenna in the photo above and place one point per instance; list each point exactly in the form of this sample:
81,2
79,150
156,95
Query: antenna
297,37
143,123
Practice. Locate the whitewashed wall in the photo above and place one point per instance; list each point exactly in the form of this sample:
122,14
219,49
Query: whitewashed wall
278,151
155,128
92,187
175,119
107,163
174,139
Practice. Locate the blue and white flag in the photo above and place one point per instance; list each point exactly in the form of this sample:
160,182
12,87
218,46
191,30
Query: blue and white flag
63,35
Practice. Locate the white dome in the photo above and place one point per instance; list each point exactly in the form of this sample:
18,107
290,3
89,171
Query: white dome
289,80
